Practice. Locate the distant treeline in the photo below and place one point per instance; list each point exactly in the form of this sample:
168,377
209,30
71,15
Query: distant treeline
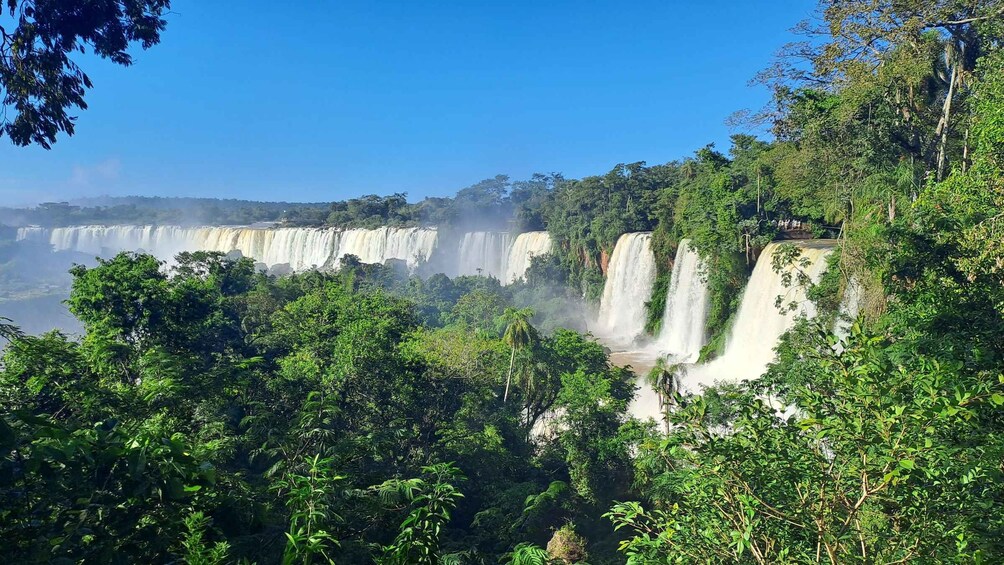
729,204
150,210
495,203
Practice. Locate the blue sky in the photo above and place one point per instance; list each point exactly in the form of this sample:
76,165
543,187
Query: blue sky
321,100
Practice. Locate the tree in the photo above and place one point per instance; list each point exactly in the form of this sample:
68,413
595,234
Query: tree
860,474
518,335
856,41
8,330
664,380
40,81
432,500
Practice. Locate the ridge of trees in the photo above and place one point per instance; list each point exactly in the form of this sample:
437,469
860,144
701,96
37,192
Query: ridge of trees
213,414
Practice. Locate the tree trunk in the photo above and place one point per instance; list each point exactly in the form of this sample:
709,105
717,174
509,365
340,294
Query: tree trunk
965,151
758,193
945,119
512,360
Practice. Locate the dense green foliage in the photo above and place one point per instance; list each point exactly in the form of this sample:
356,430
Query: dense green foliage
213,414
40,81
307,418
889,448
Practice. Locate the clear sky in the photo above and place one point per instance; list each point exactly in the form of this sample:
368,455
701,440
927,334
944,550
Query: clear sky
318,100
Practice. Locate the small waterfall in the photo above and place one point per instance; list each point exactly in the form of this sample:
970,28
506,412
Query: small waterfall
31,233
759,324
482,252
630,277
526,246
682,334
850,307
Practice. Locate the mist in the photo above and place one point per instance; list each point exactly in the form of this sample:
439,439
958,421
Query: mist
493,229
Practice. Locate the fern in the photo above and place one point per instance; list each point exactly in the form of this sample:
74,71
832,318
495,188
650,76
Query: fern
527,554
194,545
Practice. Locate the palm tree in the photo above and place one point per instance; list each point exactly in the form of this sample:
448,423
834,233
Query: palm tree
518,334
663,379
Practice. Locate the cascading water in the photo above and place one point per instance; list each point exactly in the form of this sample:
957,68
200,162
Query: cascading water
379,245
526,246
682,334
31,233
630,278
850,307
759,324
161,241
300,248
490,253
484,253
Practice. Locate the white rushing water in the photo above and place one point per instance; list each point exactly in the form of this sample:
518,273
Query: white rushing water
759,324
31,233
379,245
525,247
498,254
300,248
483,253
850,307
490,253
630,278
683,334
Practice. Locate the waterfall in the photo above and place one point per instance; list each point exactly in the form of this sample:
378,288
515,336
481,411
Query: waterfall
850,307
482,252
630,277
380,245
495,254
526,246
682,334
300,248
31,233
759,324
161,241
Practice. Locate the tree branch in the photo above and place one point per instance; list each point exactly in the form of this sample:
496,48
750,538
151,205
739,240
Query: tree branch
999,12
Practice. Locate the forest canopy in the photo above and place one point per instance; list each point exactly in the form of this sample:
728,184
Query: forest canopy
211,413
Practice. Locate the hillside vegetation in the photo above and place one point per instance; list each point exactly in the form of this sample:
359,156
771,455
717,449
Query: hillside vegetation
213,414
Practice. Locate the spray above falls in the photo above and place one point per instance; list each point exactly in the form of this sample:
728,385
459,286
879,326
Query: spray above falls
630,278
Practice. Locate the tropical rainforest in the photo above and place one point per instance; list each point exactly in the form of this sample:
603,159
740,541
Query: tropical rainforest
210,413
